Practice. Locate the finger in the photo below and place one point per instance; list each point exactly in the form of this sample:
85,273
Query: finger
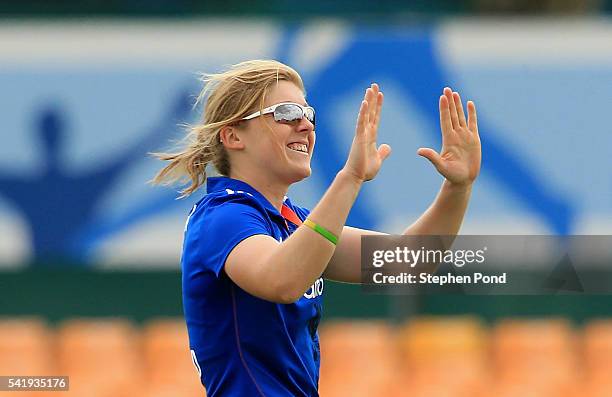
373,101
370,99
384,151
432,156
452,108
445,118
472,118
376,120
459,107
379,104
362,118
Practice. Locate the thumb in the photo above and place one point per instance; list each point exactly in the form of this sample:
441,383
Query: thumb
384,151
432,156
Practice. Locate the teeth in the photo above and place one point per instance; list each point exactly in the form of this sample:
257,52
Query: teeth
299,147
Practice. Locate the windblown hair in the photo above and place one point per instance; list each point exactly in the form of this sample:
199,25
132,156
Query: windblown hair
229,96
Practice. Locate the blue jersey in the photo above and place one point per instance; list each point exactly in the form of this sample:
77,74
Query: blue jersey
241,344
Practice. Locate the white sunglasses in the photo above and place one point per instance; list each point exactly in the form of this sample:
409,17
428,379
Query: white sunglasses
286,112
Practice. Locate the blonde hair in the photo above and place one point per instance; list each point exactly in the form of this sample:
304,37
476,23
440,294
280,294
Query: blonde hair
230,96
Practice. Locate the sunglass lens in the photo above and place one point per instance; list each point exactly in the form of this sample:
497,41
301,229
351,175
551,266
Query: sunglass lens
310,114
287,112
290,112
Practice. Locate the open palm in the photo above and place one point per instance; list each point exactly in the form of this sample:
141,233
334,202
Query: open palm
460,157
365,158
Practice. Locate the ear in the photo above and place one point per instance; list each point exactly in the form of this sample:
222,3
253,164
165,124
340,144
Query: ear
230,137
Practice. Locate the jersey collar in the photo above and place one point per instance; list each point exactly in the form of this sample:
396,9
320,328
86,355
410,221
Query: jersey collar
220,183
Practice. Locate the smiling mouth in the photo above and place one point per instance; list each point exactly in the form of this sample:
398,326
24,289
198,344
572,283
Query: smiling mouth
298,147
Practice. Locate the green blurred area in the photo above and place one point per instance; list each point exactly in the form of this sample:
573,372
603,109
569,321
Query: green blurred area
56,294
297,10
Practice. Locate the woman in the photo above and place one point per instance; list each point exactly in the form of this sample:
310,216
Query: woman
253,262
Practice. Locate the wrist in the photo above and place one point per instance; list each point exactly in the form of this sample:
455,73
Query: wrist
457,188
349,177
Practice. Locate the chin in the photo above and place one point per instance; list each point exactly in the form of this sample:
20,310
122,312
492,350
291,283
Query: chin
300,174
307,173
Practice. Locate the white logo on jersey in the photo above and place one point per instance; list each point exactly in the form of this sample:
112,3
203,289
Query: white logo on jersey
315,289
230,191
189,217
195,362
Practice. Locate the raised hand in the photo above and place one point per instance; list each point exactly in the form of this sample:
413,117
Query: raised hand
460,157
365,159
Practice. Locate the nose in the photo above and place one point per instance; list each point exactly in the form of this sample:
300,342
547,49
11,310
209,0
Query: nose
305,125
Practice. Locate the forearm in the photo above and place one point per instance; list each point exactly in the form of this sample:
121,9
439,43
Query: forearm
445,215
303,257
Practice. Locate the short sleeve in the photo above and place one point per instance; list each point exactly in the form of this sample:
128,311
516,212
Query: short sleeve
214,232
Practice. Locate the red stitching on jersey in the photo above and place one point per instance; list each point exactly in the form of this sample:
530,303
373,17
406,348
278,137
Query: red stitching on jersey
290,215
238,342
